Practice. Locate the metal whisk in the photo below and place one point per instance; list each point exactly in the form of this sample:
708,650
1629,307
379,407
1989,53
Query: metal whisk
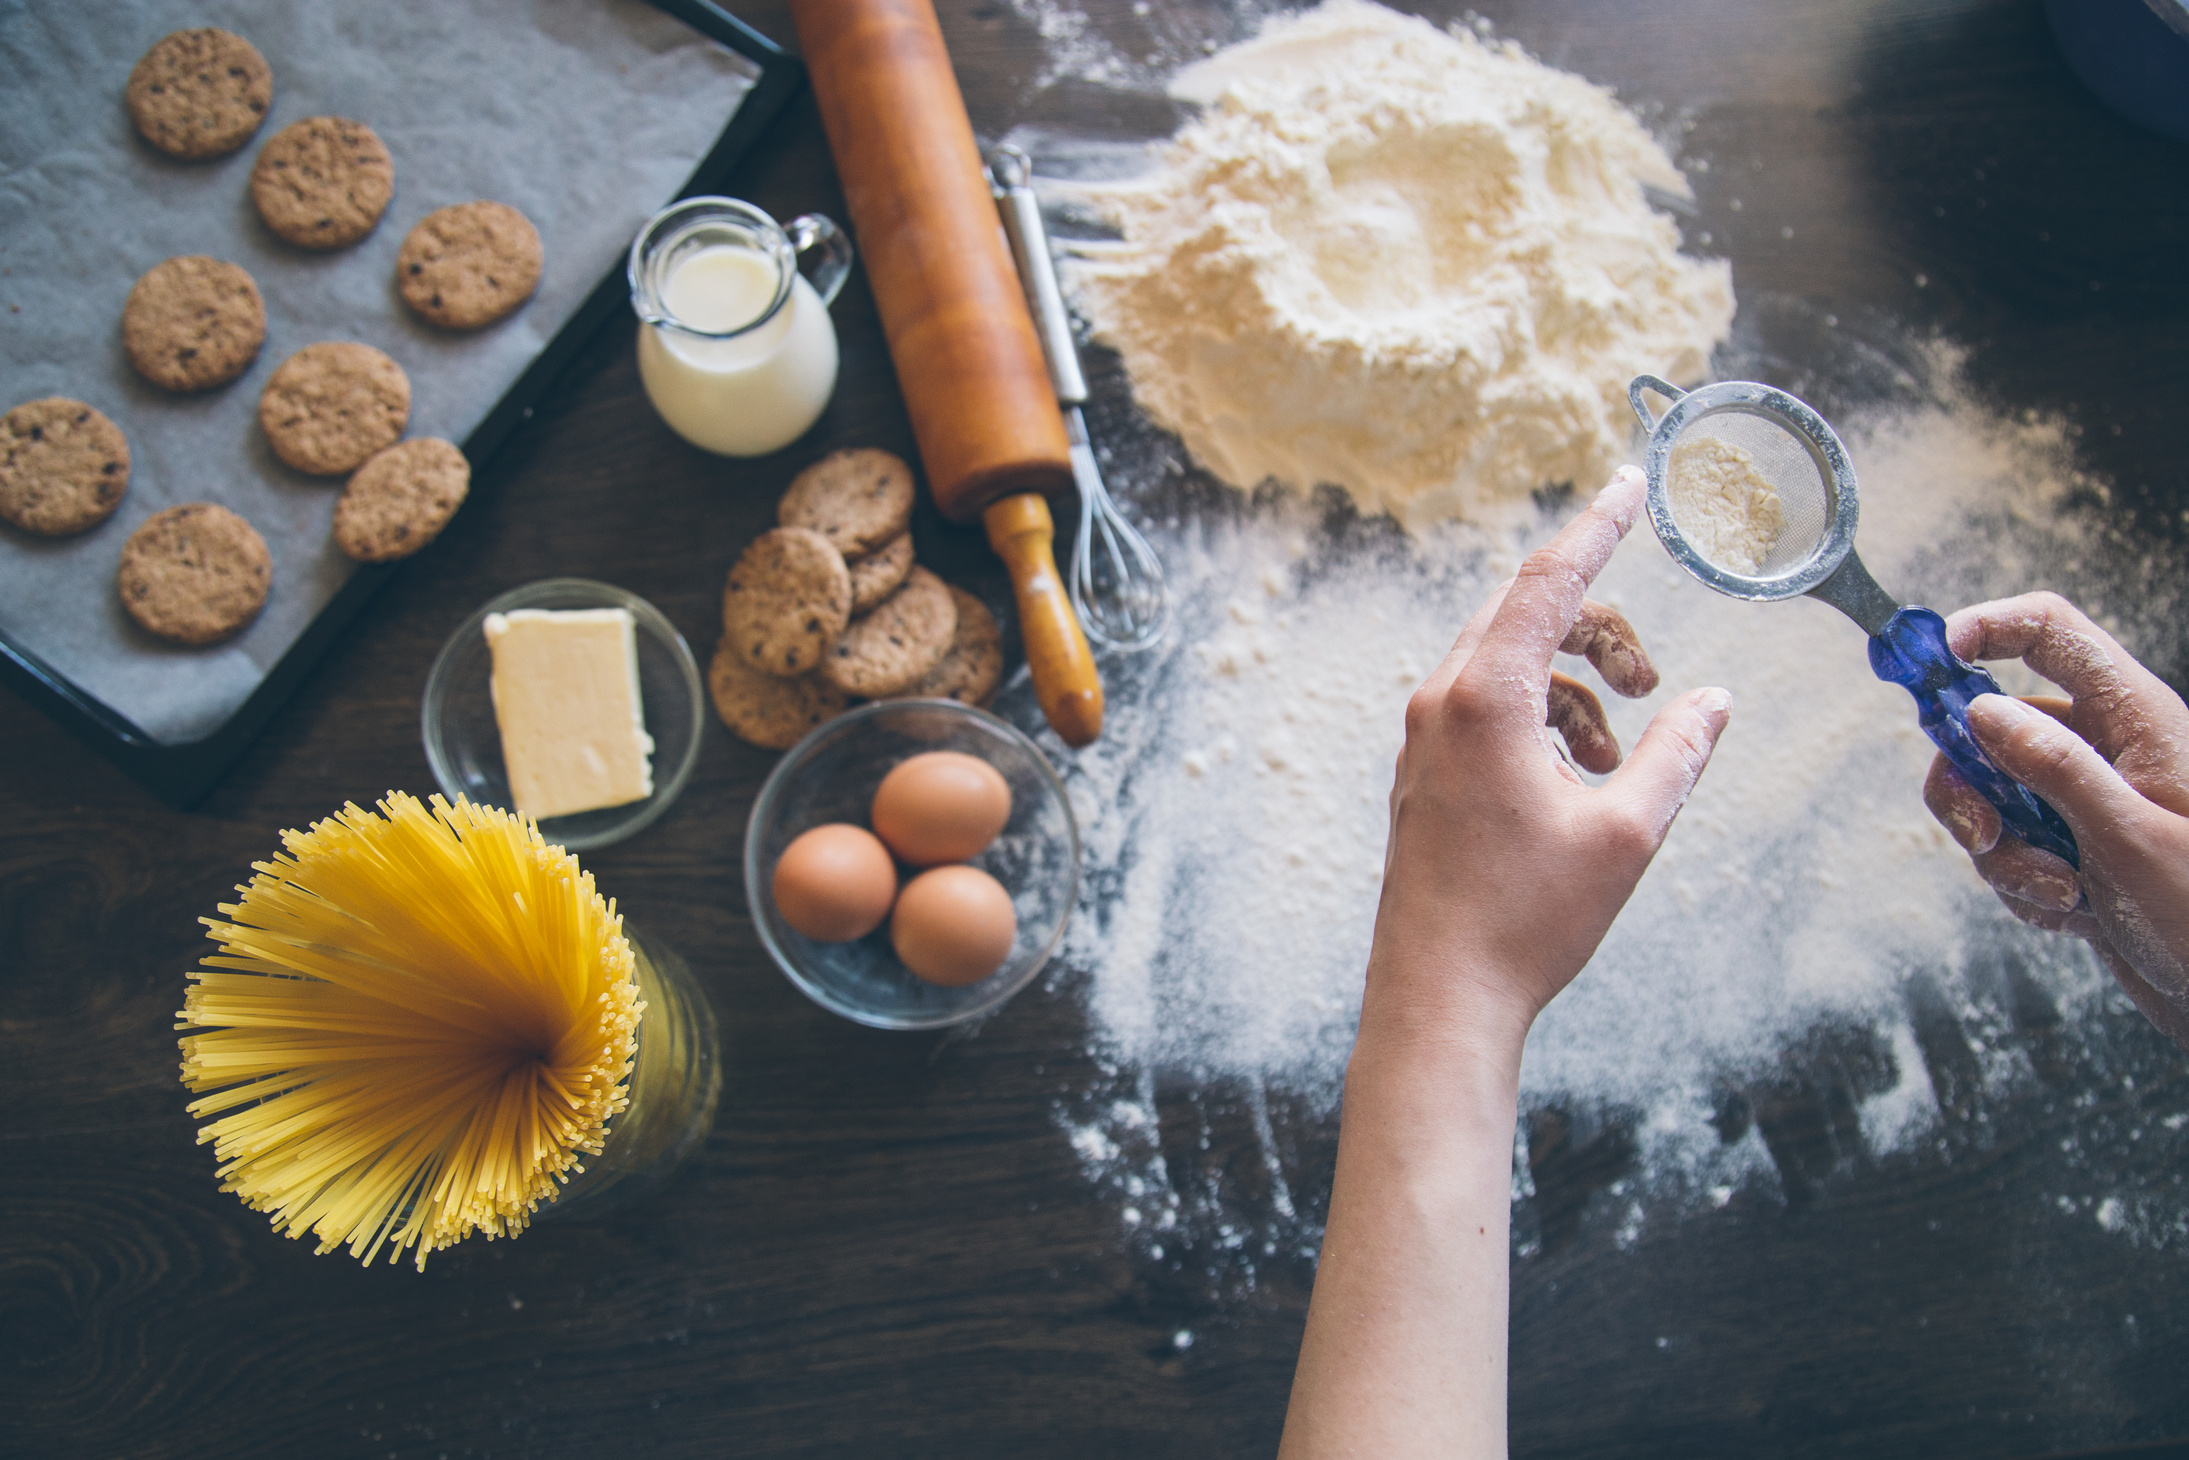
1117,580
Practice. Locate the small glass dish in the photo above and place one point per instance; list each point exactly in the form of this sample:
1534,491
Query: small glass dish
464,742
831,775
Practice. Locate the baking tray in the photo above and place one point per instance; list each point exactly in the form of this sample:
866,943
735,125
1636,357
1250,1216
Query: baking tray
184,771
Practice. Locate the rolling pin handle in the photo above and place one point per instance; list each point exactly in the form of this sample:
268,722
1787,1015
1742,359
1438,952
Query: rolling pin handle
1066,682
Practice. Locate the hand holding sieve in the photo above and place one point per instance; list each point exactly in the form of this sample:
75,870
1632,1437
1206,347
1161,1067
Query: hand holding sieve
1778,439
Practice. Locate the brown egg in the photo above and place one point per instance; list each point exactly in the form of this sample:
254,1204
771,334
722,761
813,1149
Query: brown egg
944,806
953,925
835,883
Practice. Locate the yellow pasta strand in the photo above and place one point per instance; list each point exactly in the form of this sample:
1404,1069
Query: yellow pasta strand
418,1022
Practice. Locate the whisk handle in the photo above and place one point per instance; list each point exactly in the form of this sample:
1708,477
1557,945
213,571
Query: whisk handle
1066,681
1911,651
1009,171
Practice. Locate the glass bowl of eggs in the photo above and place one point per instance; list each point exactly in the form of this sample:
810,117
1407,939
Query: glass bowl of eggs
912,864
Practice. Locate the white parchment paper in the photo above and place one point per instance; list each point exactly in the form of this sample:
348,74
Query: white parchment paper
586,115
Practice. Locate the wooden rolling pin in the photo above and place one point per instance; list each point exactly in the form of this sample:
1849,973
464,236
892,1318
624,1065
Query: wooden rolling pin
967,357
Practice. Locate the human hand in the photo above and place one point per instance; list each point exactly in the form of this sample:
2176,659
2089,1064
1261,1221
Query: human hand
1501,875
1504,869
2114,761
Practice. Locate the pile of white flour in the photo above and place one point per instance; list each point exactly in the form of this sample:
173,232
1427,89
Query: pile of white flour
1408,262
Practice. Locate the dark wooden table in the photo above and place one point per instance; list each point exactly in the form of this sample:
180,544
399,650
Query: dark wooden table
888,1247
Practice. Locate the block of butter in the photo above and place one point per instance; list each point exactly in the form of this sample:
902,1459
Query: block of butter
566,697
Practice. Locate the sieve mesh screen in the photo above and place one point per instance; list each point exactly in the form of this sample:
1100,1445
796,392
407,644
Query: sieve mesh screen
1724,464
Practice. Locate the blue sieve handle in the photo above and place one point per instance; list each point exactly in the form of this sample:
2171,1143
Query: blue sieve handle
1911,651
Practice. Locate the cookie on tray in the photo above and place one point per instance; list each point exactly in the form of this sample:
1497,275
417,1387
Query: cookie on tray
195,574
859,499
875,576
332,405
464,267
193,322
63,466
787,599
765,709
400,500
973,667
891,649
323,182
199,93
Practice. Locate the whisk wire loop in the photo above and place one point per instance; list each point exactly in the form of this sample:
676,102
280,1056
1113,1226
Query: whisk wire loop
1117,579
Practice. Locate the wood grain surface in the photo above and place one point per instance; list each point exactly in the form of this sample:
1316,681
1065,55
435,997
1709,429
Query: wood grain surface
888,1246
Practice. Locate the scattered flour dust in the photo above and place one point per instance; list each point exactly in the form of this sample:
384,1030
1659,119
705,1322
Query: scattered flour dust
1405,261
1235,814
1128,46
1419,266
1724,506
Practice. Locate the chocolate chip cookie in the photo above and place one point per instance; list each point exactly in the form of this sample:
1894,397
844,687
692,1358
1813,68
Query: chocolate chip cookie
973,667
195,574
63,466
199,93
323,182
876,576
193,322
891,649
765,709
400,500
787,599
859,499
463,267
330,406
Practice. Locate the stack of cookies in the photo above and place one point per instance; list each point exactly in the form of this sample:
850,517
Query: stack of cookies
829,609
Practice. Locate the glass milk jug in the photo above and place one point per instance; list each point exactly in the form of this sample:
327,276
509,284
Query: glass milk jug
735,345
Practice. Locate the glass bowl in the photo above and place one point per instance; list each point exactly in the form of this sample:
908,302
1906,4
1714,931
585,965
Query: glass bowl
831,775
464,743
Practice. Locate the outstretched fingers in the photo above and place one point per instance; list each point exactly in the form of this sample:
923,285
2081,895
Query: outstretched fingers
1463,648
1505,653
1544,602
1646,793
1603,636
1572,709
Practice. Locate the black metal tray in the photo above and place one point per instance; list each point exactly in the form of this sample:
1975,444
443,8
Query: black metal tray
183,774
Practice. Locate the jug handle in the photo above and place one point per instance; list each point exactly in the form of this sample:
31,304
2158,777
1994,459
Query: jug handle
816,231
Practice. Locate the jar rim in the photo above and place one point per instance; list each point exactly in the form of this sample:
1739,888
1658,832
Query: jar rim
658,245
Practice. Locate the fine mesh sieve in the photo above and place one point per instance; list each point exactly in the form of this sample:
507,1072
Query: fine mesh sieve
1785,445
1713,459
1770,455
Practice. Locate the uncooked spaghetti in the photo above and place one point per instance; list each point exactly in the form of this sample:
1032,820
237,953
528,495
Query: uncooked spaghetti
420,1021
